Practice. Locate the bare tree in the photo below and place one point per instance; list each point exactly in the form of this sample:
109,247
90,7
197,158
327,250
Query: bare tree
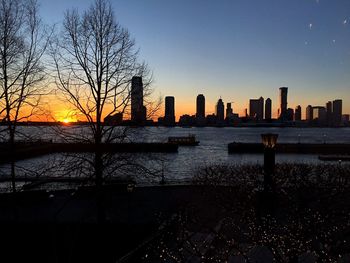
95,60
22,45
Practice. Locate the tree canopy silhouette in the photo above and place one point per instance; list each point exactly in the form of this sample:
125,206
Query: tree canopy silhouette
95,60
23,41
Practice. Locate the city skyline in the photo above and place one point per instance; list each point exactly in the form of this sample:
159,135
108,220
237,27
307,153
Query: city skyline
257,107
236,49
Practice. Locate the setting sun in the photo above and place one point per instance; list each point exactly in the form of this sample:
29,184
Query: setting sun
66,116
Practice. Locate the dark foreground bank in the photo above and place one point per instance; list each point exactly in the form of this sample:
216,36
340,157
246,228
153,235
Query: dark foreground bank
85,225
206,222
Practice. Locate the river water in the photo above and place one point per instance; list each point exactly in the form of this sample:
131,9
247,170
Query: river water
213,145
212,148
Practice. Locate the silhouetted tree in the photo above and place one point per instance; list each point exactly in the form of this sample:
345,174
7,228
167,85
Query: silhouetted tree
95,60
22,45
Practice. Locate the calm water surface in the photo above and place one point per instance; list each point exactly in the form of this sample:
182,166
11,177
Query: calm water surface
212,148
213,144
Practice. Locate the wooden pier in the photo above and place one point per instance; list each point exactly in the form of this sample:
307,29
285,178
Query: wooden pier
293,148
30,150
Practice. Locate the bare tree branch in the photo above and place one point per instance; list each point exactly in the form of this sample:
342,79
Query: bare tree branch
23,41
95,59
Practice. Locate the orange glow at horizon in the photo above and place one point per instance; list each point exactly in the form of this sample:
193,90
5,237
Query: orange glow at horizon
57,110
65,115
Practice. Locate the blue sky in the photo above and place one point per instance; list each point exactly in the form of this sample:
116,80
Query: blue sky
237,49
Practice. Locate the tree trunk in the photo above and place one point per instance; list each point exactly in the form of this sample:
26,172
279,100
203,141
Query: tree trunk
98,166
13,157
101,216
13,176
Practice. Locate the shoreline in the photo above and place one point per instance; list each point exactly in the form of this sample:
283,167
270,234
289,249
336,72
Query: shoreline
240,125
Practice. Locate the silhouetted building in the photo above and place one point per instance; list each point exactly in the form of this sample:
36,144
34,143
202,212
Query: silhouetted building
282,112
200,110
211,120
138,111
160,120
256,108
297,113
268,109
231,118
229,110
220,112
329,112
320,115
115,119
309,113
187,120
169,117
345,119
290,114
337,112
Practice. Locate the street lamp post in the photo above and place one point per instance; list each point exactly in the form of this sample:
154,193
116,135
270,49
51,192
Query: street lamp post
269,140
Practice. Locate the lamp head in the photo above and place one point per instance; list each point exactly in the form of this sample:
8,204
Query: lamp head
269,139
130,188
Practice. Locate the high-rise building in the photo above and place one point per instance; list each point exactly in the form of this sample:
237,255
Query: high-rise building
169,117
290,114
329,112
309,113
329,107
282,112
337,112
200,111
268,109
320,115
229,110
138,111
297,113
256,108
220,112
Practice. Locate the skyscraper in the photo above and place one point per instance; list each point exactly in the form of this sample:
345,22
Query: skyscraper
169,116
282,112
337,112
256,108
319,115
329,112
268,109
309,113
220,112
200,111
138,111
229,110
297,113
290,114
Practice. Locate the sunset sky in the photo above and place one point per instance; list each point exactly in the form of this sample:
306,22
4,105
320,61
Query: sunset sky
237,49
